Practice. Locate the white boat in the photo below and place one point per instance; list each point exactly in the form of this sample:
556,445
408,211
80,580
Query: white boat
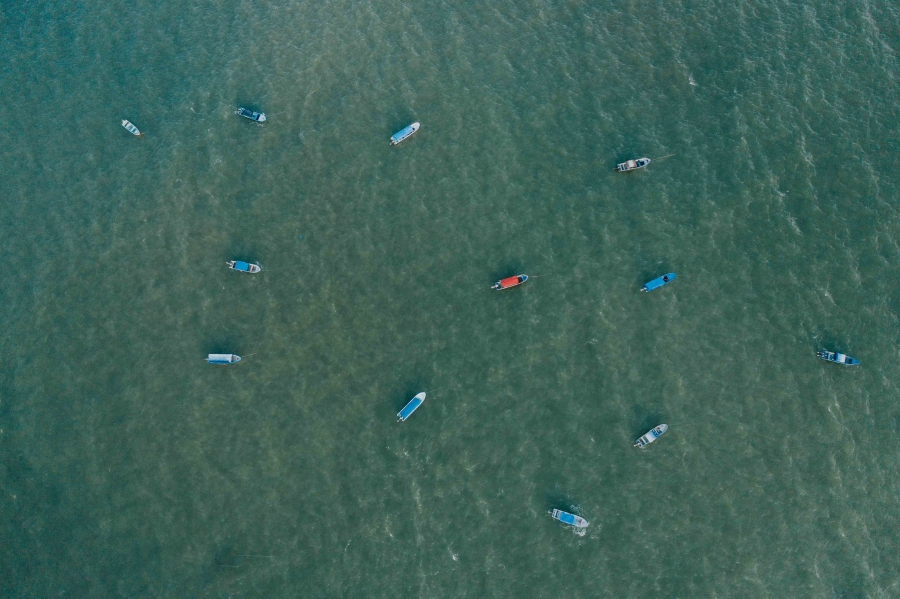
404,133
130,127
570,519
651,436
223,358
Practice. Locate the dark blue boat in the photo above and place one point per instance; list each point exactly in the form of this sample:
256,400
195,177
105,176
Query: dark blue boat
837,358
659,282
259,117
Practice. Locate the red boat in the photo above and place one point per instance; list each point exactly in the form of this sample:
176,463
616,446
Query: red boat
509,282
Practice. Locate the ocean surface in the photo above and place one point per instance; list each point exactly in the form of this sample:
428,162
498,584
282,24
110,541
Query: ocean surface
131,468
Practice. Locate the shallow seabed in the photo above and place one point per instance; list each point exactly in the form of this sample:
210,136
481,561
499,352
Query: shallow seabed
130,468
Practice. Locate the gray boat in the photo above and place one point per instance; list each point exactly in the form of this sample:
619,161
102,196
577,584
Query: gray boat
631,165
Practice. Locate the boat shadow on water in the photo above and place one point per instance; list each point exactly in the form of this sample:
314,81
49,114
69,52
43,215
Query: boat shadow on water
647,419
223,343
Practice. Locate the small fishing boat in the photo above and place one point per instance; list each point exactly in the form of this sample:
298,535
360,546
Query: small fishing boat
129,126
223,358
837,358
652,435
244,266
570,519
631,165
509,282
259,117
411,407
659,282
404,133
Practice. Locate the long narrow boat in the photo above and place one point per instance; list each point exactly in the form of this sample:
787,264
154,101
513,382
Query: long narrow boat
631,165
404,133
259,117
659,282
509,282
244,266
570,519
129,126
223,358
837,358
652,435
411,407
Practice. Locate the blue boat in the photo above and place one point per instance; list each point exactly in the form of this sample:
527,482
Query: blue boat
659,282
837,358
404,133
223,358
570,519
411,407
244,266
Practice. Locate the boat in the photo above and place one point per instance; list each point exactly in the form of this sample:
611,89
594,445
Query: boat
259,117
223,358
631,165
129,126
570,519
411,407
404,133
837,358
659,282
509,282
244,266
652,435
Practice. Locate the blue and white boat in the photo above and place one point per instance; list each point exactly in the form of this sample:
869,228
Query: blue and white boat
411,407
244,266
659,282
259,117
654,434
570,519
837,358
404,133
223,358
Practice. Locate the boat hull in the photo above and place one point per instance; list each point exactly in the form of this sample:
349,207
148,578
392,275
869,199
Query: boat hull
411,407
223,358
570,519
129,126
632,165
837,358
258,117
404,134
244,267
509,282
659,282
652,435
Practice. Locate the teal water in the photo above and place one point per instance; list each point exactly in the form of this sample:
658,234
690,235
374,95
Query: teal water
130,468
